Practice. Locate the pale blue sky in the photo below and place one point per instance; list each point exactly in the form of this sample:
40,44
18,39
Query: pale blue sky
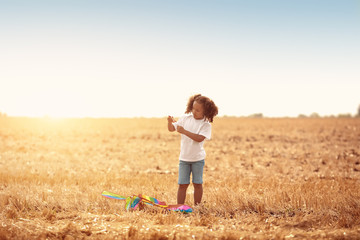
145,58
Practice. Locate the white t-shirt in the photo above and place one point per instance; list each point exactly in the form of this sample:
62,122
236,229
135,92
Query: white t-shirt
192,151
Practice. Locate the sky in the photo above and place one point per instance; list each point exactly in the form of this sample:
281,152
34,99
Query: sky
89,58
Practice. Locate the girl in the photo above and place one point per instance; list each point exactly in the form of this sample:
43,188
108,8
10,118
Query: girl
194,129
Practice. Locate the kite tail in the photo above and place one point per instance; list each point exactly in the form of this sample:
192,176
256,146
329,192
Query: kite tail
112,195
132,203
153,201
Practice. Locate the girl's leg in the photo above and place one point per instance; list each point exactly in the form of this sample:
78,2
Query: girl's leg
198,192
197,171
184,181
181,195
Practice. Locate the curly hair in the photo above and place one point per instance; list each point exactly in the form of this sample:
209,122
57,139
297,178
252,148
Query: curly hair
210,109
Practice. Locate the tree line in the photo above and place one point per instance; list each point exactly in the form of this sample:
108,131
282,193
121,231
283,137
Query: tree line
260,115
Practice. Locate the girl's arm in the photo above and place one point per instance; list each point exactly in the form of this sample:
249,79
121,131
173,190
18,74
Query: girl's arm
193,136
171,127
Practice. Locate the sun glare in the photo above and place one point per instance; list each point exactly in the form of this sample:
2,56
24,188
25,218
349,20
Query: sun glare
55,105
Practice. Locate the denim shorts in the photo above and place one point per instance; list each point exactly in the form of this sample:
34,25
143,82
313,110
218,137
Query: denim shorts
186,168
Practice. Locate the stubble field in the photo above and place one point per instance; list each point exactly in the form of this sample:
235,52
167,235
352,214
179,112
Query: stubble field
263,179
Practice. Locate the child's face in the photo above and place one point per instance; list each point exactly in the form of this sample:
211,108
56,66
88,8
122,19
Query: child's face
198,110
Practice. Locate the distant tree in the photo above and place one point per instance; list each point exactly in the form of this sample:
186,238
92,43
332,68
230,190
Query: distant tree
314,115
358,112
256,115
302,116
344,115
3,114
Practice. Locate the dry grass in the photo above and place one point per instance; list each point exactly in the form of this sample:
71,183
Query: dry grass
264,179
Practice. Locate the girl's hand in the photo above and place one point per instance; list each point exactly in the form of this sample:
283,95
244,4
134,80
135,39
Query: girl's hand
171,119
180,129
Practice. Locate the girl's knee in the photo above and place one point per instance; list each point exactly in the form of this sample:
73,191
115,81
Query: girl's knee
196,185
183,186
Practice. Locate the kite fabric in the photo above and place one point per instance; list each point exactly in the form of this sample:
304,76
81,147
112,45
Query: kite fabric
132,202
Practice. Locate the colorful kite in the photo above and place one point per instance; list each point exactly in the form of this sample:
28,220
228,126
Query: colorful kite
132,202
